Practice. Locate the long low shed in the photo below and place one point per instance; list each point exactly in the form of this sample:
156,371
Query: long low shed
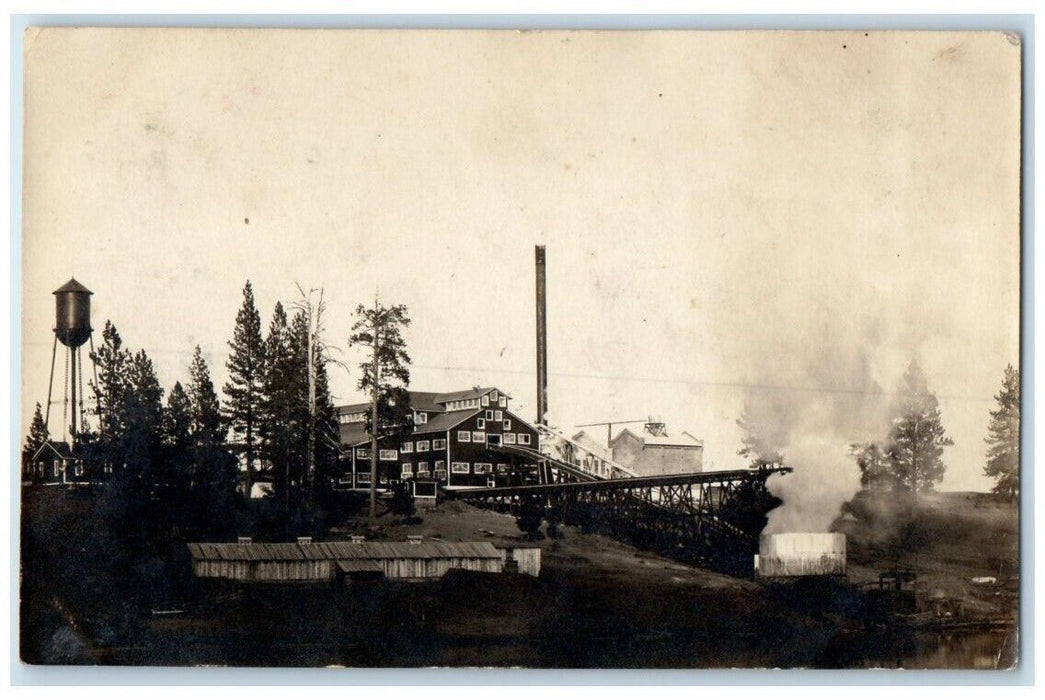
322,561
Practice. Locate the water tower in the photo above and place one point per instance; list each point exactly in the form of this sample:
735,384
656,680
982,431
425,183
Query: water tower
72,327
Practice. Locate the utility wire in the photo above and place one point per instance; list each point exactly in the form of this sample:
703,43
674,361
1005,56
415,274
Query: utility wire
696,382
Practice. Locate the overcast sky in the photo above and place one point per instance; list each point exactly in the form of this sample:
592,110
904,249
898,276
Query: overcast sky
725,214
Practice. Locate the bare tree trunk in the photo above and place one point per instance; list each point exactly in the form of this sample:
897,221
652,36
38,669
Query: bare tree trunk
374,393
310,474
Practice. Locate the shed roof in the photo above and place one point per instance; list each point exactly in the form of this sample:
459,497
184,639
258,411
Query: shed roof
683,439
445,421
341,551
419,401
466,394
61,449
353,434
425,401
353,408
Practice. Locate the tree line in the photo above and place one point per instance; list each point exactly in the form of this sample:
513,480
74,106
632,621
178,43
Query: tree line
173,457
910,456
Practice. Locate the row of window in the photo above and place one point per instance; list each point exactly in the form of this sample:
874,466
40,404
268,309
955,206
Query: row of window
480,436
477,468
422,446
464,403
457,468
506,424
438,473
422,469
352,417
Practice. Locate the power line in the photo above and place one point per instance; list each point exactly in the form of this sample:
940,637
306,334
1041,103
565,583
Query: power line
696,382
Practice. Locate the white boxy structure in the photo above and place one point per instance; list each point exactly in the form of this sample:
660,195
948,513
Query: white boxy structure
790,554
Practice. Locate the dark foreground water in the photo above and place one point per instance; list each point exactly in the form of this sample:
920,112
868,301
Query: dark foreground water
992,649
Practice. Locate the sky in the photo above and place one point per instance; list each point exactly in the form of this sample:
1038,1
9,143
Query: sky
730,218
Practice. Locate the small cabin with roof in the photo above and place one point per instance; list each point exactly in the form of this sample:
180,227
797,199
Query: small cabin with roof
52,463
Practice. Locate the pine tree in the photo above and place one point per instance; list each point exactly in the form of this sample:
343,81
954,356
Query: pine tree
214,468
274,428
175,472
917,438
872,459
207,423
762,444
385,376
112,361
177,436
1003,437
246,366
142,420
328,435
38,434
36,438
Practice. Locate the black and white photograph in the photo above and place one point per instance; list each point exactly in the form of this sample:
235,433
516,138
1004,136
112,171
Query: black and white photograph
543,349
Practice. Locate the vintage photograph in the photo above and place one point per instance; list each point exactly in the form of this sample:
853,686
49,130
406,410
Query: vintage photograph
520,349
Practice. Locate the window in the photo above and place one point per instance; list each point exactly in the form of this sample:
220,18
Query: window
420,418
502,468
362,452
498,415
422,468
440,474
407,448
507,424
440,466
509,438
480,423
438,444
483,467
387,455
478,436
422,445
459,467
489,415
362,478
486,400
502,402
408,469
493,395
524,439
464,436
344,480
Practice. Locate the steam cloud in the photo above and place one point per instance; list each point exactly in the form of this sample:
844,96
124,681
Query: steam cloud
812,412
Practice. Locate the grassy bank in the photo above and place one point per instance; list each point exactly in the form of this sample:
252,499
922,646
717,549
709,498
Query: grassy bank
597,603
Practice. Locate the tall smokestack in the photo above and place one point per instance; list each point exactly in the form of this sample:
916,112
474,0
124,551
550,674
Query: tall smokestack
542,340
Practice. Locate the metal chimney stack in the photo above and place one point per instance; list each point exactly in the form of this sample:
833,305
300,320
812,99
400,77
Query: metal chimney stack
542,340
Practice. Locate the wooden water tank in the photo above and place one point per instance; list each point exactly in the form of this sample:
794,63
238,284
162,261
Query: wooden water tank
72,323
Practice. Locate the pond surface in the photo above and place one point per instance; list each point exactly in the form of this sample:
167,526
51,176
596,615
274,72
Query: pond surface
964,649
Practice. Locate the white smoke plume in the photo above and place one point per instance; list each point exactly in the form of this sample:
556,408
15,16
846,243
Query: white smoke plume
811,411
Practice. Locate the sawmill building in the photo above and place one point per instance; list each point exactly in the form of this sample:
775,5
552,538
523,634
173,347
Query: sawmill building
454,442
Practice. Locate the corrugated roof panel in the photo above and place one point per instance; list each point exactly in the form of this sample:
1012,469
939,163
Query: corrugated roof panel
326,551
445,421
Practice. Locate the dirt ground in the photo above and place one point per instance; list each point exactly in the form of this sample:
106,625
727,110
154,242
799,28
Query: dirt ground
597,604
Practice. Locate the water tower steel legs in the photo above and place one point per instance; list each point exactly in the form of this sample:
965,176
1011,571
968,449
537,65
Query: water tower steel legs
72,408
50,383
